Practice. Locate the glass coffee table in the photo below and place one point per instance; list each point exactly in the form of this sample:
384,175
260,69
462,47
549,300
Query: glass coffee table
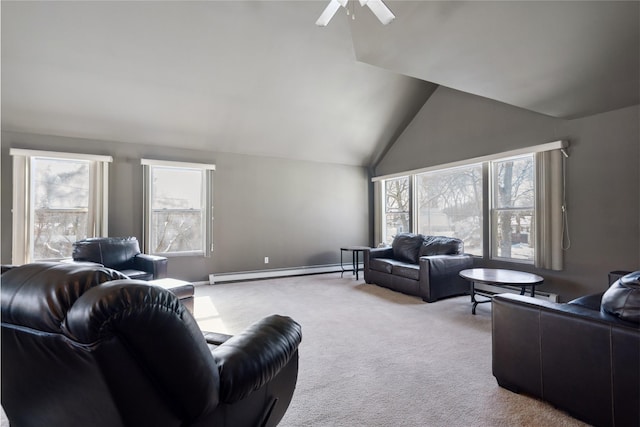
499,277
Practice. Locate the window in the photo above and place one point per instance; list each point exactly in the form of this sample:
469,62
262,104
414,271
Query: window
506,207
512,209
449,203
396,208
178,210
58,198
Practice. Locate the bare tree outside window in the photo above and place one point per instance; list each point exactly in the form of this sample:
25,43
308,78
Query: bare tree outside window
513,208
396,207
60,202
450,204
176,210
490,205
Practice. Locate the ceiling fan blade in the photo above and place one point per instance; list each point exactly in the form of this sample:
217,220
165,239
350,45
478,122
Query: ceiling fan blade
379,9
328,13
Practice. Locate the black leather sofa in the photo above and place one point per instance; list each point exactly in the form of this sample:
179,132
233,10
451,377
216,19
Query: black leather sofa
81,346
424,266
582,357
122,254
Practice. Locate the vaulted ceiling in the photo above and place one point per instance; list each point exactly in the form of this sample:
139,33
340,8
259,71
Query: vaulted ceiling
258,77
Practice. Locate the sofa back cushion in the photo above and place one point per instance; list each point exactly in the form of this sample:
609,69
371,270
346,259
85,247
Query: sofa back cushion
441,245
112,252
622,299
406,247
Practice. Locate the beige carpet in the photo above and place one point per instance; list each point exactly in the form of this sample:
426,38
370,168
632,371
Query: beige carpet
374,357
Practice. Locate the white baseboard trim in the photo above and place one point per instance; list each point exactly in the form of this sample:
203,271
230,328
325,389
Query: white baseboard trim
277,272
547,296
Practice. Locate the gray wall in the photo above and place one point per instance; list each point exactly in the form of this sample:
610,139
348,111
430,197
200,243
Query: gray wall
603,181
297,213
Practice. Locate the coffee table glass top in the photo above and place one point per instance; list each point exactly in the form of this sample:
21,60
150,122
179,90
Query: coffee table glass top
501,276
498,277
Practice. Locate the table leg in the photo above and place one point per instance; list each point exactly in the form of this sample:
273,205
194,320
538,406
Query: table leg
353,263
533,290
473,298
356,263
341,266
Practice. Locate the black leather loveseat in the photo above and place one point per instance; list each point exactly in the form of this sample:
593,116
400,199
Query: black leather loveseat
424,266
83,347
582,357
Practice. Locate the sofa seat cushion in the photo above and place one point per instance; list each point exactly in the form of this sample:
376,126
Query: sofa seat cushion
384,265
409,271
137,274
395,267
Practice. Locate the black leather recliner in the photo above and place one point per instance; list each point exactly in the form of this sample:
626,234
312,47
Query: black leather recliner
81,346
582,357
122,254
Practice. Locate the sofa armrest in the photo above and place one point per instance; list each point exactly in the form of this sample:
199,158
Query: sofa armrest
445,265
154,264
249,360
386,252
373,253
439,276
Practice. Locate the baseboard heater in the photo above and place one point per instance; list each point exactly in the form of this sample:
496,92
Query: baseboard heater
507,289
278,272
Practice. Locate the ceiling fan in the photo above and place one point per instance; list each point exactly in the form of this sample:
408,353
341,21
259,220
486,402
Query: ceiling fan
378,8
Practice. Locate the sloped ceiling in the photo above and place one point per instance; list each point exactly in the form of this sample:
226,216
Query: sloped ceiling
565,59
258,77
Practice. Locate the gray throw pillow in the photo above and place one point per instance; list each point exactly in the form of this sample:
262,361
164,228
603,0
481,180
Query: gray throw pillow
622,299
441,245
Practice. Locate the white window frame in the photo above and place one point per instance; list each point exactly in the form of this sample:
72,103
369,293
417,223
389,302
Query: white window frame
549,209
97,221
206,203
409,206
494,211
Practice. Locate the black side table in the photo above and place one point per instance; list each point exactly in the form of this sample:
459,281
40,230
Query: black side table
355,259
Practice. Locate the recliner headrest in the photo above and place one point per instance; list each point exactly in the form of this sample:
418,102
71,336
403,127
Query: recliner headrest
39,295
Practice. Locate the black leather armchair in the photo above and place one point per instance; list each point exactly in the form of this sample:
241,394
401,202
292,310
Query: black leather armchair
122,254
82,349
582,357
